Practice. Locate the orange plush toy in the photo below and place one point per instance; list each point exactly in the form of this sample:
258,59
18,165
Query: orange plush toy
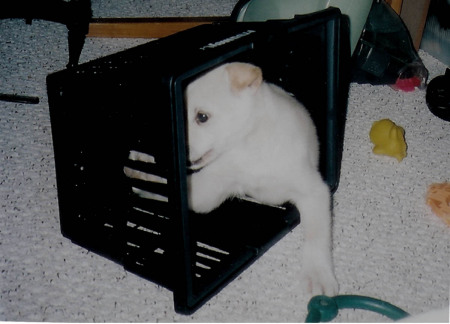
438,198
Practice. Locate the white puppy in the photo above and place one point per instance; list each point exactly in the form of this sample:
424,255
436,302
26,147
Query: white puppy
250,138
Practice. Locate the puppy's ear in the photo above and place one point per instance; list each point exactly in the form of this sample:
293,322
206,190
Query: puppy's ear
243,76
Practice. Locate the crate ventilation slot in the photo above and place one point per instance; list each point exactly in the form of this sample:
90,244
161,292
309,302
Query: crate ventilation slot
149,221
140,159
208,258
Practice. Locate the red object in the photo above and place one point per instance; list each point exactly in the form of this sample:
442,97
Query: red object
407,85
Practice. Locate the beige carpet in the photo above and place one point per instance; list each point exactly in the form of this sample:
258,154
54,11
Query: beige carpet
387,242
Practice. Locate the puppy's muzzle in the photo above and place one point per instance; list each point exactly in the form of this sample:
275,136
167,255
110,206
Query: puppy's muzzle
199,164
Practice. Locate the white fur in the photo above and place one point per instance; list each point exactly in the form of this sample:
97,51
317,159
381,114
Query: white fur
258,141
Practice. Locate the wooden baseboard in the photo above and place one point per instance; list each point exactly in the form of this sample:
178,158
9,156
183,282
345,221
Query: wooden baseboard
413,13
396,5
145,27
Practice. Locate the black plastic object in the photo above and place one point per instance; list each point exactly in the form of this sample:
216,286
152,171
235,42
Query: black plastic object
385,52
438,96
325,309
19,98
75,14
127,110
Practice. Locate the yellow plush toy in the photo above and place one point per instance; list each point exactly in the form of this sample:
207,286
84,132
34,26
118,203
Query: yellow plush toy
388,139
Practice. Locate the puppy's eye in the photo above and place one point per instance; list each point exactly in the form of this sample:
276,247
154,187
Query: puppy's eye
201,118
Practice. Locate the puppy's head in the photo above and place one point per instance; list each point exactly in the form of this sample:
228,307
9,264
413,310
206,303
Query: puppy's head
219,110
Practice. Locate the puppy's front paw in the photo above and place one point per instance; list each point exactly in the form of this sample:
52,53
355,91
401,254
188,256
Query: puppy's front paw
204,195
202,206
320,282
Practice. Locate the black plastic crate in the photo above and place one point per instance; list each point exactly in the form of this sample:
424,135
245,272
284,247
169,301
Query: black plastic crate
127,110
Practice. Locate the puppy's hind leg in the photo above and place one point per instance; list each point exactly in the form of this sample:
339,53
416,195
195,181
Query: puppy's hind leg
315,213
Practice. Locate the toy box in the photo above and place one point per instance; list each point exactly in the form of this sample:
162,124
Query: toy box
127,110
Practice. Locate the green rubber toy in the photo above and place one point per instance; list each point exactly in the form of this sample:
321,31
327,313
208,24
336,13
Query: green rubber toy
324,308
